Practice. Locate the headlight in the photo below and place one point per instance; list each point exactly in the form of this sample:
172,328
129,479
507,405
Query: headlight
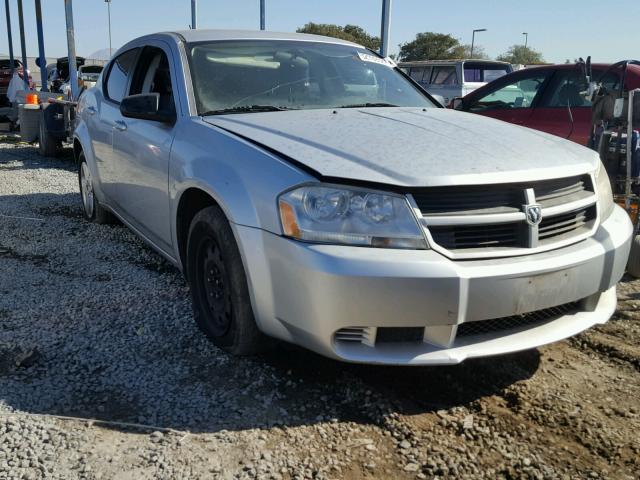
349,216
603,189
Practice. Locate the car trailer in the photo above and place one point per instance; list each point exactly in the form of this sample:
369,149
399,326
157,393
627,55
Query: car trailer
616,136
43,115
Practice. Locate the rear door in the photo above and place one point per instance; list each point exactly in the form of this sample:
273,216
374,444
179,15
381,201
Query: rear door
511,99
446,82
102,116
421,74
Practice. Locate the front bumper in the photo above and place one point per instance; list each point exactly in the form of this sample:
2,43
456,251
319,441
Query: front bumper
306,293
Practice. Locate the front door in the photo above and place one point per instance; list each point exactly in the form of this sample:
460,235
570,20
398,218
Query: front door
143,149
511,100
562,109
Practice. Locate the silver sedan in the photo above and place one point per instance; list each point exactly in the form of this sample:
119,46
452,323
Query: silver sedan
313,193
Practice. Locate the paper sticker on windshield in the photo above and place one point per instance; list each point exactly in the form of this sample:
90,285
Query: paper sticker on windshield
367,57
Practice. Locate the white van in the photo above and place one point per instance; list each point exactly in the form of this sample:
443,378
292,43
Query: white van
454,78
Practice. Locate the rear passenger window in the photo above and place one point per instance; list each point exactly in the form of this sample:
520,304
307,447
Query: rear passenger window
116,81
445,75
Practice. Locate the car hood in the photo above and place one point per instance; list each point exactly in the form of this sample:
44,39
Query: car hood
410,146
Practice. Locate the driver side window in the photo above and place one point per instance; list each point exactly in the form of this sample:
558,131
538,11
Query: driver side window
153,75
518,94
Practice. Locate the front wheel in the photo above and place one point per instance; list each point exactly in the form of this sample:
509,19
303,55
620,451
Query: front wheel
221,303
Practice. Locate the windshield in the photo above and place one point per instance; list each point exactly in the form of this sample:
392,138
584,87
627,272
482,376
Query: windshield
247,76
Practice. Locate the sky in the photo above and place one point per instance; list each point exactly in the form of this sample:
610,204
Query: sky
560,29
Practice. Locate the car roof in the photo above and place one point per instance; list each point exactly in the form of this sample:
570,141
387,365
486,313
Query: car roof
205,35
633,80
451,62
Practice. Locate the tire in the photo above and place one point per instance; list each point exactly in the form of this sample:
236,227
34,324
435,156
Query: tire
633,264
47,144
91,208
219,290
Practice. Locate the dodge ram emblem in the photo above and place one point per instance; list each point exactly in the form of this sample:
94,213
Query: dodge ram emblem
533,213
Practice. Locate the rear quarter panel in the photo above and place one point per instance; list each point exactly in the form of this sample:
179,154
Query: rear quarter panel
82,134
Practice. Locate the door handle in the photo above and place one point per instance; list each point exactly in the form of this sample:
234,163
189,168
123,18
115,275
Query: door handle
91,110
120,125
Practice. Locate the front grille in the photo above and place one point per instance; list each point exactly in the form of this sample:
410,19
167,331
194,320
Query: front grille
483,327
351,334
564,190
468,200
477,236
399,334
374,337
465,200
499,218
566,224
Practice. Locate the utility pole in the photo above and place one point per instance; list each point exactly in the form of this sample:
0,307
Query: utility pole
71,47
473,38
194,14
25,72
41,57
385,28
108,2
11,59
262,15
526,39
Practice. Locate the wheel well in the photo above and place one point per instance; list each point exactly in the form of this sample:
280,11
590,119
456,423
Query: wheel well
77,149
191,202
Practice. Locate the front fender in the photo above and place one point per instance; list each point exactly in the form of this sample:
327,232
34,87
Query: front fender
242,178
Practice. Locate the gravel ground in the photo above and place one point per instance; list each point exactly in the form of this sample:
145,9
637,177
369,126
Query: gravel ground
103,375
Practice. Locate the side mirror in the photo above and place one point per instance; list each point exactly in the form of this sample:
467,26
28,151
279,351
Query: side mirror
456,103
145,106
38,62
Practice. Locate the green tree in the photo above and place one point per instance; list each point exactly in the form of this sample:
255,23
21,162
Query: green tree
351,33
519,54
478,52
431,46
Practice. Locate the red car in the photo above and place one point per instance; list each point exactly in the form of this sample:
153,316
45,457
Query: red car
547,98
5,77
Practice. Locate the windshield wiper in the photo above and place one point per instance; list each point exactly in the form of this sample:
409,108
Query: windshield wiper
246,109
367,105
